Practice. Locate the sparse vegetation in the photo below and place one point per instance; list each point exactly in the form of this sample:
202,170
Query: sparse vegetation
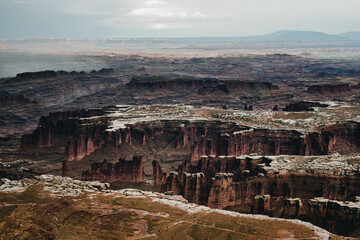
33,214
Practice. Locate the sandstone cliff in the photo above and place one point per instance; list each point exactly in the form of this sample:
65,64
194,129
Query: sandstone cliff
281,142
251,185
158,174
83,132
58,124
123,171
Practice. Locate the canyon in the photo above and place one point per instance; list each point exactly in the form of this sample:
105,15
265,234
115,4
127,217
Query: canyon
276,134
227,165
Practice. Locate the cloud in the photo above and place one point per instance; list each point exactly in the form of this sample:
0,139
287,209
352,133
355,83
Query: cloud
163,26
23,2
160,9
164,15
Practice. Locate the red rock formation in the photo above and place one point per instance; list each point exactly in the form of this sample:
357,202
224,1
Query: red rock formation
261,204
192,186
158,135
338,217
222,191
159,176
123,171
41,137
284,142
204,137
85,141
343,138
259,189
290,185
58,124
292,208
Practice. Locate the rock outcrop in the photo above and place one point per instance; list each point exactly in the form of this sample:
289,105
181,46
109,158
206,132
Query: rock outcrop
180,135
123,171
158,174
83,132
251,185
58,124
339,217
281,142
11,99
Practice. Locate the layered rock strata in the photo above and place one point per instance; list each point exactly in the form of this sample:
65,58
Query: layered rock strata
123,171
158,174
251,185
59,124
326,140
83,132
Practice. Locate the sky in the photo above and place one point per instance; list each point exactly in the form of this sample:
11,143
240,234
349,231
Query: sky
81,19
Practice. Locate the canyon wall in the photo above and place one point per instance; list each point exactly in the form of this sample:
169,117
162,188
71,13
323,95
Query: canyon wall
82,132
342,138
158,174
123,171
58,125
251,185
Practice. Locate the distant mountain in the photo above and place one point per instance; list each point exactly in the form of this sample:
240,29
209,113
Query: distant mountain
288,35
351,35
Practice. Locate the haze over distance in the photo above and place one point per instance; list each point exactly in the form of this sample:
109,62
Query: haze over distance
80,19
73,35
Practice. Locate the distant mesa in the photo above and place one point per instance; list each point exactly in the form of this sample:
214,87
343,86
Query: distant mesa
329,88
201,86
351,35
288,35
28,76
11,99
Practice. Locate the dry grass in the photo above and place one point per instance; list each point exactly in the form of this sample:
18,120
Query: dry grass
36,215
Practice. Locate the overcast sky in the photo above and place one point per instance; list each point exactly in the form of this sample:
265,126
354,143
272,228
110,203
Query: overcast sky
172,18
